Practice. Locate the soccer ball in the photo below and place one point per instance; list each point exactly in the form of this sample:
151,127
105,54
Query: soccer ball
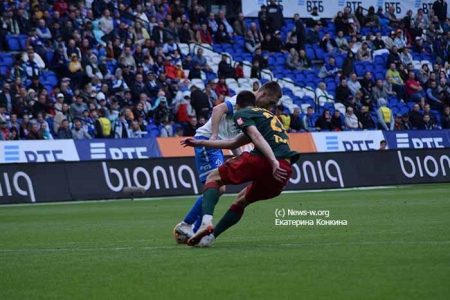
180,236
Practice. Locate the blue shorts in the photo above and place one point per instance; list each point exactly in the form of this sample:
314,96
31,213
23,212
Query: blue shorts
207,160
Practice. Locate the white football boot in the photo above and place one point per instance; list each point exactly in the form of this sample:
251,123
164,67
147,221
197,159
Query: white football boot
207,241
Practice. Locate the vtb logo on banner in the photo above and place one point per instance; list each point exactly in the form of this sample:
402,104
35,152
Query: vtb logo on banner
99,151
12,155
405,142
332,143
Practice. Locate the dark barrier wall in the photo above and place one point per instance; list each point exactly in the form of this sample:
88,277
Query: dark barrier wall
63,181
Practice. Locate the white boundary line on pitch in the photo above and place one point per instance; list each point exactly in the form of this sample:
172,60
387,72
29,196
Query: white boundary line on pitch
193,196
153,248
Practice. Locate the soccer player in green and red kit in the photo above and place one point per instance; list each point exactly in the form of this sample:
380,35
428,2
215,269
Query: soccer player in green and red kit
267,167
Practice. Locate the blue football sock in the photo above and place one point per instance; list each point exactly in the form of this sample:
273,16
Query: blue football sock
197,224
195,212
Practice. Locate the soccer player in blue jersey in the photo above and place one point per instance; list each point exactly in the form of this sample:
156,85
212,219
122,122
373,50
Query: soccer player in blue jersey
219,127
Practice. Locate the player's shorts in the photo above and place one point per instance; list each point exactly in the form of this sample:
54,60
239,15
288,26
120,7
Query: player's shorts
249,167
207,160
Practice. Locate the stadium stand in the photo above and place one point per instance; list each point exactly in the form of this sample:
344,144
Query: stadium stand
145,66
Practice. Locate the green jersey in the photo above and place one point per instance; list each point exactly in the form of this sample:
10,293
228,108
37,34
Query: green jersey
270,128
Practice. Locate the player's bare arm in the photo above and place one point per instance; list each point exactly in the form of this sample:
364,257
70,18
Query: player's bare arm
238,141
262,145
217,113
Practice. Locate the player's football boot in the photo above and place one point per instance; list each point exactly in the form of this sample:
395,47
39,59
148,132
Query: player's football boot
206,241
204,230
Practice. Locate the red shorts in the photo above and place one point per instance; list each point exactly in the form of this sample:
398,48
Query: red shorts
257,169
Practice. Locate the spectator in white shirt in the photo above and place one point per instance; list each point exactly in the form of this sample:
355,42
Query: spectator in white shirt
224,21
422,17
135,131
106,24
353,84
212,22
364,53
342,42
140,15
42,31
351,120
399,39
36,57
322,95
129,59
92,69
406,57
78,133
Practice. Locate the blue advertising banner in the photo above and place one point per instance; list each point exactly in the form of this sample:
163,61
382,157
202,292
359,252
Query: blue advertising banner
347,140
329,9
123,149
37,151
115,149
417,139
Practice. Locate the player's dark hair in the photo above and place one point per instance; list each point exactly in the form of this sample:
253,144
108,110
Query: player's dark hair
273,89
245,98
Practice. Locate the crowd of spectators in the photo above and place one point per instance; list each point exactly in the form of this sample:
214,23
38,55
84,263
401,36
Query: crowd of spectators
374,104
117,69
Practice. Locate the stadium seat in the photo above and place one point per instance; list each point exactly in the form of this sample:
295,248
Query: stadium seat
438,116
304,107
359,69
3,55
247,68
23,41
393,101
395,110
379,60
4,70
231,81
339,61
379,75
281,61
242,81
320,54
310,53
311,84
375,120
13,42
52,79
184,48
49,56
309,100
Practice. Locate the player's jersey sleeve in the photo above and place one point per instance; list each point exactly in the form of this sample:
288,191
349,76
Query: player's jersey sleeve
244,118
231,104
227,130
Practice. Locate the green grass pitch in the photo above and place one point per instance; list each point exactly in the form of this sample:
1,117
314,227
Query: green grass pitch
396,246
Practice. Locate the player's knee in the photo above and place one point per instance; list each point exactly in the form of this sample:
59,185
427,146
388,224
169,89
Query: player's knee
222,190
214,176
241,201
